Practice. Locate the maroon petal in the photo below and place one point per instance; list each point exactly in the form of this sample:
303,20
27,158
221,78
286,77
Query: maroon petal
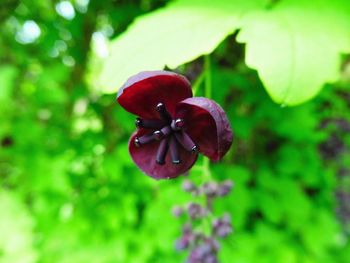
207,125
142,92
146,155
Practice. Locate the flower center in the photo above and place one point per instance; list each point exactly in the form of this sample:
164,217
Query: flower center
169,132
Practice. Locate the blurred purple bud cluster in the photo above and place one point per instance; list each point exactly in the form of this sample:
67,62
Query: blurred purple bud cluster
222,226
210,189
202,229
195,211
205,252
343,209
335,148
202,248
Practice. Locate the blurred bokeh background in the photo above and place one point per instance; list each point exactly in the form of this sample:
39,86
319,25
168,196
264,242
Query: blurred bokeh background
70,192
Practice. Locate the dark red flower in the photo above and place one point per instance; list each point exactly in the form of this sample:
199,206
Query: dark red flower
172,125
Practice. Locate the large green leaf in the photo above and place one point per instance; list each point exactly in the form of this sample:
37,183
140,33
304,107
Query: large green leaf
172,36
16,228
296,47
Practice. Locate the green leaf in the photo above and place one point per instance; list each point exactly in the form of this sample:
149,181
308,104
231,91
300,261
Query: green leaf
16,228
8,74
172,36
296,47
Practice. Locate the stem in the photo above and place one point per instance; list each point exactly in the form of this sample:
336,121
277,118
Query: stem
207,66
197,83
206,168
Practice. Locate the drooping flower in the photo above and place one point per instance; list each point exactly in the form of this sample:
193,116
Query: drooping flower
172,126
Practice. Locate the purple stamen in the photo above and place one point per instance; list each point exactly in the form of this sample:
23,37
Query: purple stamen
164,132
163,113
162,151
139,141
158,135
177,124
174,151
170,134
149,124
185,140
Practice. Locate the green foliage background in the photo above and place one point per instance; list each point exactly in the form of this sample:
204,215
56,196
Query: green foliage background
69,190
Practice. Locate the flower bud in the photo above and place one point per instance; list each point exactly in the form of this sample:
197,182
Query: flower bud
211,259
177,211
195,211
225,188
223,230
182,243
222,227
210,189
196,255
214,244
188,186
